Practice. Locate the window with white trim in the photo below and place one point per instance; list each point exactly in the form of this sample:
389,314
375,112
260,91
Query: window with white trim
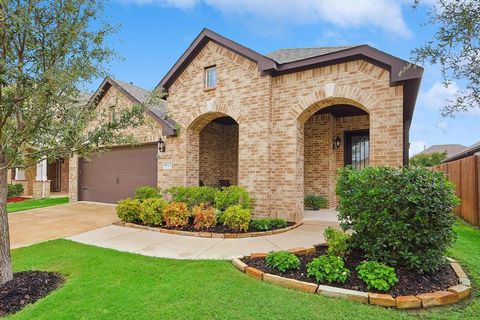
211,77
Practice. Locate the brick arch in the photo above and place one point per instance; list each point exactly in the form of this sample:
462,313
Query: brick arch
202,116
307,105
196,123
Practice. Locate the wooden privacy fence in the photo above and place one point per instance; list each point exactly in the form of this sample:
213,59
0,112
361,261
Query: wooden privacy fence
465,174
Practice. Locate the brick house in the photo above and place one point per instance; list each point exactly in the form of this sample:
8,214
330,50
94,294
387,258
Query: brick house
279,124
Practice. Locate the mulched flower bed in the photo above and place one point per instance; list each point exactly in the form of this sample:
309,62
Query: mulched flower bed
219,229
16,199
25,288
410,283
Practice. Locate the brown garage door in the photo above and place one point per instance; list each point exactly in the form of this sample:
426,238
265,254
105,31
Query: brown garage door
114,175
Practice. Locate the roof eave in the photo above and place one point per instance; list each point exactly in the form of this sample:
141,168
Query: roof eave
400,70
200,41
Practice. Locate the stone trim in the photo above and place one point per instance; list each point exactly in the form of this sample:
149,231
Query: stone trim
201,234
424,300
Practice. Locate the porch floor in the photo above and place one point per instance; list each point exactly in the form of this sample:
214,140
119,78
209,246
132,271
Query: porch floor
323,217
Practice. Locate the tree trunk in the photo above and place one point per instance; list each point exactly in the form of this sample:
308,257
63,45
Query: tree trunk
6,273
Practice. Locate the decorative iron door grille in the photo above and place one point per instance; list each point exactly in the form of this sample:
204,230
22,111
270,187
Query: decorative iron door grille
357,149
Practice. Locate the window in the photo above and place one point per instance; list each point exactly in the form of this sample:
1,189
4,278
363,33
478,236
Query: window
113,115
357,149
211,77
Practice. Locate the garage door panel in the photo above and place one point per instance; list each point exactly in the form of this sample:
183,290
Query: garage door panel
114,175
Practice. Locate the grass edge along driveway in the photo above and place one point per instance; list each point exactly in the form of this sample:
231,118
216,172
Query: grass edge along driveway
106,284
35,203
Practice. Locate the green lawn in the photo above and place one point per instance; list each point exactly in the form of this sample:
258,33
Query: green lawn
106,284
32,204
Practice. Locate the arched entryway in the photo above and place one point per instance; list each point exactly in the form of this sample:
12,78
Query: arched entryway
331,135
212,151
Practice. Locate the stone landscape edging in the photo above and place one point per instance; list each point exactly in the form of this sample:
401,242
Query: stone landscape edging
201,234
425,300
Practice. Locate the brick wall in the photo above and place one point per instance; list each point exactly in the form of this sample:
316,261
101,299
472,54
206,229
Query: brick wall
273,114
241,93
218,154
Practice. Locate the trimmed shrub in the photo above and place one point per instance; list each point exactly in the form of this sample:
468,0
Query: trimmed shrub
401,217
147,192
220,217
338,242
268,224
151,211
193,195
282,261
328,268
205,216
14,190
175,214
237,218
231,196
377,275
128,210
315,202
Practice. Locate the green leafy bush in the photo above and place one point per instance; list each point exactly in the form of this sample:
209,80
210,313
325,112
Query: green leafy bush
146,192
282,261
315,202
231,196
237,218
377,275
428,160
151,211
128,210
14,190
328,268
338,242
193,195
220,217
268,224
176,214
401,217
205,216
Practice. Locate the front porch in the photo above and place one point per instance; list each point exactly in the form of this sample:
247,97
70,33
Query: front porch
43,180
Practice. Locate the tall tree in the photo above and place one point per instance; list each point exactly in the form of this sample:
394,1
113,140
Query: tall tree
456,47
48,49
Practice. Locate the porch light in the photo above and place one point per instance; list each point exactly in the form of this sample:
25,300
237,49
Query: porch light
161,145
336,143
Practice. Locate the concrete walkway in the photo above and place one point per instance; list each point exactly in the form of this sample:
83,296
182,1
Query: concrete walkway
157,244
37,225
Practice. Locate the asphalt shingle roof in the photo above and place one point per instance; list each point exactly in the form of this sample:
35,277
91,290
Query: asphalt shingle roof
294,54
466,152
138,93
450,149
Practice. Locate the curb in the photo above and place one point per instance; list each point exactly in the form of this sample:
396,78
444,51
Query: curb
425,300
201,234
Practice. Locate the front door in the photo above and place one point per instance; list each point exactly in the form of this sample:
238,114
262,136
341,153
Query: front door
357,148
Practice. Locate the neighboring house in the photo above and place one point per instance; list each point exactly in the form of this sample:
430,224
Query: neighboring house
279,124
474,149
48,176
449,149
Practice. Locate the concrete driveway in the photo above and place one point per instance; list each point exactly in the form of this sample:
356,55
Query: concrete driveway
37,225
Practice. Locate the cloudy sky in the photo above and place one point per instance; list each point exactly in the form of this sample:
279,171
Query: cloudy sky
154,33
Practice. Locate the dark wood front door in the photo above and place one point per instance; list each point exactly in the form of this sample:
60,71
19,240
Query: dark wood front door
113,175
357,148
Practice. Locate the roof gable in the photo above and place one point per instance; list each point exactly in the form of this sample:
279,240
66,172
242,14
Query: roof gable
140,96
197,45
